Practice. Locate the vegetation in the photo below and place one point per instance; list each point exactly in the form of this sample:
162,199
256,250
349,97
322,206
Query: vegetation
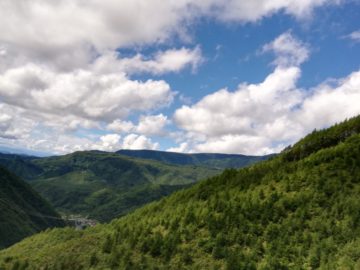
102,185
221,161
22,211
299,210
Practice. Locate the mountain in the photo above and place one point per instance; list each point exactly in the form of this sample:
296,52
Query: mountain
22,211
22,165
221,161
102,185
298,210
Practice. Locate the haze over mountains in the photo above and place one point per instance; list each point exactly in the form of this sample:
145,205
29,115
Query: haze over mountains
298,210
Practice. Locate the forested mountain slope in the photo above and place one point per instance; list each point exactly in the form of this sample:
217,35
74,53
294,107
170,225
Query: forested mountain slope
22,211
22,165
299,210
102,185
222,161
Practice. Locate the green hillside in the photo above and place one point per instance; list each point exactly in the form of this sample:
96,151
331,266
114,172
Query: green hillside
22,165
102,185
221,161
299,210
22,211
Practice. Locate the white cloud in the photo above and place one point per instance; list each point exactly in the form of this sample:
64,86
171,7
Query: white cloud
121,126
288,50
63,143
110,142
81,93
134,141
5,121
328,104
172,60
245,11
152,124
13,125
265,117
147,125
355,36
77,31
262,128
60,69
225,112
238,144
35,97
238,122
182,148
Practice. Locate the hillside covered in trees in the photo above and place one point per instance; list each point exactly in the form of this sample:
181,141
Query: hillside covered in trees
220,161
22,211
102,185
299,210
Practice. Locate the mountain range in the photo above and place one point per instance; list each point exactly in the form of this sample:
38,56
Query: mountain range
298,210
104,185
220,161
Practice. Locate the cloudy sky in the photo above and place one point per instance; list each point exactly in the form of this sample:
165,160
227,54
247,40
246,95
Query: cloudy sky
233,76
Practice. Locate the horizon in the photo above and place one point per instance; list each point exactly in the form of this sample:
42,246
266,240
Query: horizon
24,152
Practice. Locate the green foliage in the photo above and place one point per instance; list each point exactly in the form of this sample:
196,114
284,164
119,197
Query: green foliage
285,213
102,185
221,161
22,211
318,140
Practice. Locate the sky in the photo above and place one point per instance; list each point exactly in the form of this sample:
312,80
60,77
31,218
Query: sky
235,76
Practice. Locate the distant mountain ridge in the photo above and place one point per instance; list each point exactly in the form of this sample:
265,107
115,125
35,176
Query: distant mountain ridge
99,184
105,185
23,211
222,161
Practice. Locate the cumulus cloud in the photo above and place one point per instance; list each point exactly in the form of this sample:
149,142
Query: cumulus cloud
104,24
264,128
134,141
121,126
81,93
225,112
13,125
288,50
62,143
147,125
110,141
61,70
263,118
328,104
34,96
152,124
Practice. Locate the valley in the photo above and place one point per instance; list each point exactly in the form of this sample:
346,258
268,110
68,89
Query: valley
298,209
104,185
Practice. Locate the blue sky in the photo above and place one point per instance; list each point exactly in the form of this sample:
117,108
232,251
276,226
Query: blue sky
190,76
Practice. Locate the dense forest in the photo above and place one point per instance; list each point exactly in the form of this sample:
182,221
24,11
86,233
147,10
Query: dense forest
102,185
221,161
22,211
298,210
